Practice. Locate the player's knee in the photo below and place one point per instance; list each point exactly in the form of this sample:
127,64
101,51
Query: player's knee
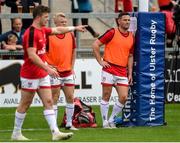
49,102
70,98
106,96
22,108
123,99
55,98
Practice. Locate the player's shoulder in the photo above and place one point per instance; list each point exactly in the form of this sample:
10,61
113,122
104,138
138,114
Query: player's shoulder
111,30
29,30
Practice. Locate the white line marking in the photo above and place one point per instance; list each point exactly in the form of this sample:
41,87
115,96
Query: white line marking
30,129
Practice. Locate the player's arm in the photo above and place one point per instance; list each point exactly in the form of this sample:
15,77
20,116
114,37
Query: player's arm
61,30
74,51
130,68
73,58
130,63
96,51
104,39
37,61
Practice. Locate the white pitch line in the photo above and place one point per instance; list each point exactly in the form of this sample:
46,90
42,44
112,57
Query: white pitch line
30,129
13,114
43,129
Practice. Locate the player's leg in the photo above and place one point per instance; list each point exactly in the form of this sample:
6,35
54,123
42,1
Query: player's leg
27,94
122,90
46,97
68,89
69,93
25,102
55,88
107,83
104,105
55,96
45,94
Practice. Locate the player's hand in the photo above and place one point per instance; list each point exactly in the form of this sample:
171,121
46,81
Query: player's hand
81,28
53,67
104,64
130,79
52,72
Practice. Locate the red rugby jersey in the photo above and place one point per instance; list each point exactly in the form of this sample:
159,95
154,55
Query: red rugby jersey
36,38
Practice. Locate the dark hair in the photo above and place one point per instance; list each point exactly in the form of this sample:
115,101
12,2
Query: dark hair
14,19
121,14
39,10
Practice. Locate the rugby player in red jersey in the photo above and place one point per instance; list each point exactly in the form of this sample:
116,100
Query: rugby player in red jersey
35,73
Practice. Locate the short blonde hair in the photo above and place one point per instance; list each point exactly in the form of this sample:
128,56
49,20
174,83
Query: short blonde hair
60,14
57,15
12,37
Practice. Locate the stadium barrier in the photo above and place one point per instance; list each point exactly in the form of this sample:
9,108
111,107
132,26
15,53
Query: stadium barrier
172,72
88,87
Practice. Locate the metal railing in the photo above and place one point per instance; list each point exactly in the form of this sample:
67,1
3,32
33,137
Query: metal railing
81,52
68,15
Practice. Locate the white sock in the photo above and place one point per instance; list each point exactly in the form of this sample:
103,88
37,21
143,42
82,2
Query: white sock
104,107
19,119
69,114
117,108
55,107
51,119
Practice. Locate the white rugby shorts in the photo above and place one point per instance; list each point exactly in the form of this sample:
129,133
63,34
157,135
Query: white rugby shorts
63,81
110,79
34,84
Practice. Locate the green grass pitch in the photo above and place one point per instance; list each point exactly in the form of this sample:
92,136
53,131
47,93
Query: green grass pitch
36,128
